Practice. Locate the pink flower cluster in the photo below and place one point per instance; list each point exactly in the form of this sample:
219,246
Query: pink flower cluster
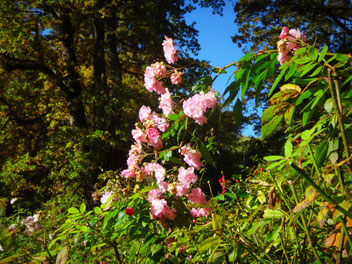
196,106
290,41
31,223
198,197
191,157
155,72
169,50
166,103
147,136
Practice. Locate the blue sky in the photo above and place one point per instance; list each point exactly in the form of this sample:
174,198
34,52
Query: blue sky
215,34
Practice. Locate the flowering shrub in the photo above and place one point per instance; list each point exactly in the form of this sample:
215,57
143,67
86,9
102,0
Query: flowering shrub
296,210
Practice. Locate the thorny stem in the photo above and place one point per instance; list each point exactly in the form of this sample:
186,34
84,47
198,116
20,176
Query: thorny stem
344,228
306,228
320,191
339,117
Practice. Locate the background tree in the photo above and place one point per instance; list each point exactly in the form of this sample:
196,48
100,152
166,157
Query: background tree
260,21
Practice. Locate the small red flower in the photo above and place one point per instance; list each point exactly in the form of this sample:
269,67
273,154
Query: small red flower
255,171
261,169
194,221
237,181
129,211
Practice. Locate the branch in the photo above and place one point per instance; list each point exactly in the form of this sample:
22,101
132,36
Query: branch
11,63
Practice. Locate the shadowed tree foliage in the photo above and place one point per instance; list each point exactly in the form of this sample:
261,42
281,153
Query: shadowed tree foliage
261,21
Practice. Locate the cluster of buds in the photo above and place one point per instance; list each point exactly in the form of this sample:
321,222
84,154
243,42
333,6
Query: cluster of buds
290,41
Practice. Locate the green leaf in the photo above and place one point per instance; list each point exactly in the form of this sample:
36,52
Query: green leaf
328,105
272,213
272,111
97,210
289,115
277,80
270,127
73,210
176,161
82,208
300,51
291,71
232,88
282,96
307,114
288,148
275,164
62,256
306,94
206,154
244,82
307,68
237,112
323,214
323,53
247,57
311,194
218,223
208,243
302,60
317,71
173,116
321,152
341,57
313,53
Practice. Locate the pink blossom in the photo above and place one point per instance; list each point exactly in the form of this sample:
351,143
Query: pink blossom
128,173
152,133
160,122
191,157
159,171
163,186
293,40
166,103
199,212
31,223
196,106
151,83
186,177
138,135
160,208
197,196
176,77
284,33
282,58
296,33
135,149
181,190
156,143
210,99
154,194
159,69
169,50
133,159
144,113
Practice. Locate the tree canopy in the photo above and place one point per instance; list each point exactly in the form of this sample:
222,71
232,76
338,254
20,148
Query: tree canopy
260,21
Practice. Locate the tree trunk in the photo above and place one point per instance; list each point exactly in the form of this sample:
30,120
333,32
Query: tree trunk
71,77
